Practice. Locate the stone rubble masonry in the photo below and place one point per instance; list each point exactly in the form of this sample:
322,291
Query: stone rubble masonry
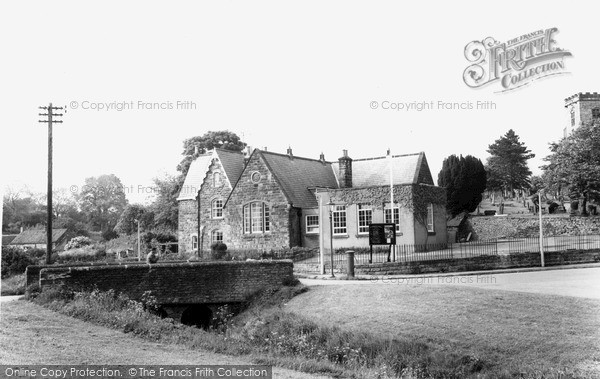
188,212
266,190
491,227
175,283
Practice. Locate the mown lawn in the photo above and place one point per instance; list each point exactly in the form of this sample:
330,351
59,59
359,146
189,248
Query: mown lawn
516,331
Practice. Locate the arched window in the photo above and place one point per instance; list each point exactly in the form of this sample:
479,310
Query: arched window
216,236
256,217
217,208
216,179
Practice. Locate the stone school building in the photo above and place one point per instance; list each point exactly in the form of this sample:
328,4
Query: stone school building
260,200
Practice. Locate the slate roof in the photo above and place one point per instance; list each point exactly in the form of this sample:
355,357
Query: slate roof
7,238
232,162
296,175
37,236
406,169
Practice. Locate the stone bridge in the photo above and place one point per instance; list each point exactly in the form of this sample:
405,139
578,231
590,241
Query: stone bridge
187,291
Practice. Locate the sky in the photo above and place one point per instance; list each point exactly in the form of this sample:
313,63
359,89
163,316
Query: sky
280,74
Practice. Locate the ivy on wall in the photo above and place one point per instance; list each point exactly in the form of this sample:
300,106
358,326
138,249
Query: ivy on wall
414,197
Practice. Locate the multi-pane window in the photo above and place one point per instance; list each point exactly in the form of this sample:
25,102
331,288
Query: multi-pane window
430,227
217,208
256,218
596,114
388,216
194,242
572,117
339,219
216,236
312,224
365,217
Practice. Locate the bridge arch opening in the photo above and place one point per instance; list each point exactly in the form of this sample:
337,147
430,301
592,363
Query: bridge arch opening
197,315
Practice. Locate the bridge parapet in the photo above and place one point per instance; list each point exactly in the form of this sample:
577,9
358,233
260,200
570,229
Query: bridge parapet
176,283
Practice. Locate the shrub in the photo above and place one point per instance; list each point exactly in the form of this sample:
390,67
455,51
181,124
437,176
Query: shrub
14,285
78,242
15,260
86,253
109,235
218,250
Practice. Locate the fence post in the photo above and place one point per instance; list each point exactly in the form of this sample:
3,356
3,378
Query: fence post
350,254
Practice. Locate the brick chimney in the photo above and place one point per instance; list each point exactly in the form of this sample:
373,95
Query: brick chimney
289,152
345,170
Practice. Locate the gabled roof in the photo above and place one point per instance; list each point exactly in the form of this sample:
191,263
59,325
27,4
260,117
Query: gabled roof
406,169
296,175
37,236
232,162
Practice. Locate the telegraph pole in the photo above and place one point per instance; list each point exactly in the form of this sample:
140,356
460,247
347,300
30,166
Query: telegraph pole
50,113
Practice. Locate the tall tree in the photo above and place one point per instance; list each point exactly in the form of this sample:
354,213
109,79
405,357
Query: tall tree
103,200
128,221
507,165
465,180
574,164
223,139
165,207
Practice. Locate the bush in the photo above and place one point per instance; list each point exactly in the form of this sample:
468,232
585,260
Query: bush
14,285
78,242
15,260
218,250
109,235
86,253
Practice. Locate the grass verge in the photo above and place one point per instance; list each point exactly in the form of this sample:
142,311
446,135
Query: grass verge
13,285
270,335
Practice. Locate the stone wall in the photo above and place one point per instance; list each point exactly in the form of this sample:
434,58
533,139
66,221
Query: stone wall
175,283
188,212
492,262
491,227
213,190
267,190
187,224
32,273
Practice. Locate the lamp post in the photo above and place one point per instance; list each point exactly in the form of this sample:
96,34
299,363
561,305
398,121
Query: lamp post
541,228
330,206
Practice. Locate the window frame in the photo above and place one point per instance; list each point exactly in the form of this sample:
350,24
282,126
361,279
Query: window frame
364,222
387,215
194,242
595,114
213,234
430,217
339,211
214,209
250,220
308,225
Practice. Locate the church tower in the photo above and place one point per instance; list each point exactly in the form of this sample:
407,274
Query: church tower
582,108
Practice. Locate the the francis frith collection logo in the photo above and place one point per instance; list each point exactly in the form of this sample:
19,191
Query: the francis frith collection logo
514,63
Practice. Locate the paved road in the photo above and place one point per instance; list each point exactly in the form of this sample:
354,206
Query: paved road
576,282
